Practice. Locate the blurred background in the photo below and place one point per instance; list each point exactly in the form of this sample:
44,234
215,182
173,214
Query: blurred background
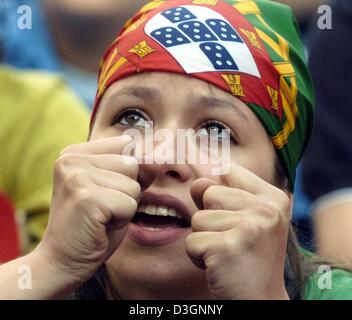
48,76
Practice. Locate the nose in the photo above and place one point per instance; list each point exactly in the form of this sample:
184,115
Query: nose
163,163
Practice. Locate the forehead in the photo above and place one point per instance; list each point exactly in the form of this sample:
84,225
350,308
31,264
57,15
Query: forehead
162,81
170,90
169,85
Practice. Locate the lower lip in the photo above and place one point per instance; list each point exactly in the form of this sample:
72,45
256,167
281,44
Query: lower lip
159,237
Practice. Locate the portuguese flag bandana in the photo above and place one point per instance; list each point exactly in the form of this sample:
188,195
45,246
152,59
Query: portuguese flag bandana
250,49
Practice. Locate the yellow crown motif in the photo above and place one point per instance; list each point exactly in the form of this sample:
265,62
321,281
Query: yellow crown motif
252,38
142,49
234,82
274,95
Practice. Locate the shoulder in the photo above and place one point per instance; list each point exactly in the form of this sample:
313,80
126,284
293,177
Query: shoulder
326,281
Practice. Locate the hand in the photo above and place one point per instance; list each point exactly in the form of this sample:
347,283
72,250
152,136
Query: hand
95,197
240,236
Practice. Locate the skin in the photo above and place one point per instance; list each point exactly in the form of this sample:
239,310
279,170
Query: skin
101,19
332,231
237,244
170,112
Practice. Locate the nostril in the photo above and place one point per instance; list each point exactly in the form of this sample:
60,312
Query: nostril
173,174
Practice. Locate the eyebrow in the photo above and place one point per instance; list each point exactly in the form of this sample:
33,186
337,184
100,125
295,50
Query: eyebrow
212,102
154,95
144,93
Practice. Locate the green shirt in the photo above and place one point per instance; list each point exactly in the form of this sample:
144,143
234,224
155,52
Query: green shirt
325,283
330,285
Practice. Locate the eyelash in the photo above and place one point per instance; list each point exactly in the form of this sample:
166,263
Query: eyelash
137,111
126,112
223,127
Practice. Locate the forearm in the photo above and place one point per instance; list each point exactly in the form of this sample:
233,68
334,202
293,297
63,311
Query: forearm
34,277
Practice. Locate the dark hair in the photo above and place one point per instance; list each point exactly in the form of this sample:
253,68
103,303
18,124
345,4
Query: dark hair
296,264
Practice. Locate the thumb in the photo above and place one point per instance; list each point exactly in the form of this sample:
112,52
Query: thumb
198,188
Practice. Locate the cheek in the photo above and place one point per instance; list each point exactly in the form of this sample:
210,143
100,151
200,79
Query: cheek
208,171
100,131
260,160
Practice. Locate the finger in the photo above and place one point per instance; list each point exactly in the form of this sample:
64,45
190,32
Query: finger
125,165
197,190
147,174
198,245
112,145
225,198
216,220
239,177
116,181
117,208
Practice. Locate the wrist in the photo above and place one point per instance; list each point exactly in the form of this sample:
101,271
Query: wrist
61,280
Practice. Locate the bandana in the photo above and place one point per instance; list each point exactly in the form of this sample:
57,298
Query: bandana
250,49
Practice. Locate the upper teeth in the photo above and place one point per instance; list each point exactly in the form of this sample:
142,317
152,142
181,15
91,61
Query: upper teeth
159,211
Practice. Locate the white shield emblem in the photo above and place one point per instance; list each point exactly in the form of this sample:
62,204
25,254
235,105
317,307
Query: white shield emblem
201,40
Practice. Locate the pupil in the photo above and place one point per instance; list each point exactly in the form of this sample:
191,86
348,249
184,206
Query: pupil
214,129
132,118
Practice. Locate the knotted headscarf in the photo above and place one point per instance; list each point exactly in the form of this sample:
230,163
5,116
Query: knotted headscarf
250,49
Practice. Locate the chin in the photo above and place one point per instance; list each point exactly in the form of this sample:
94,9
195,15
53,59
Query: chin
156,268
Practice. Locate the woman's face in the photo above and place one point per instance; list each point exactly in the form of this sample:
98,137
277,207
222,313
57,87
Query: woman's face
152,262
94,7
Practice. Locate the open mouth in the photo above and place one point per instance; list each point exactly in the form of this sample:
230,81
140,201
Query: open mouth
159,217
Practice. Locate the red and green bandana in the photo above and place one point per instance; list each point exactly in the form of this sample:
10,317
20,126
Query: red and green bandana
251,49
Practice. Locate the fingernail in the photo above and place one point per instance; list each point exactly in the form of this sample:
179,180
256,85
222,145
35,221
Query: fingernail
126,138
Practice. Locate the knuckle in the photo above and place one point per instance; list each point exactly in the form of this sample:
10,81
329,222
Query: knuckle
75,177
283,200
126,207
196,221
226,246
211,198
82,196
135,189
133,205
191,242
132,162
64,161
272,215
248,227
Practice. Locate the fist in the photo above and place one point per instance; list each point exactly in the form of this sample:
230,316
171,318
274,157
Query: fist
239,237
95,196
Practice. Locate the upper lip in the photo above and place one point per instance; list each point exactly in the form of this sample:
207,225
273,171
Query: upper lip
167,201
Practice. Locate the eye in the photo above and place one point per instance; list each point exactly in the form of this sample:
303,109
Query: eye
132,118
216,130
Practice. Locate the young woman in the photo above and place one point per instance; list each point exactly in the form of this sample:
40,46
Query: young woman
122,227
